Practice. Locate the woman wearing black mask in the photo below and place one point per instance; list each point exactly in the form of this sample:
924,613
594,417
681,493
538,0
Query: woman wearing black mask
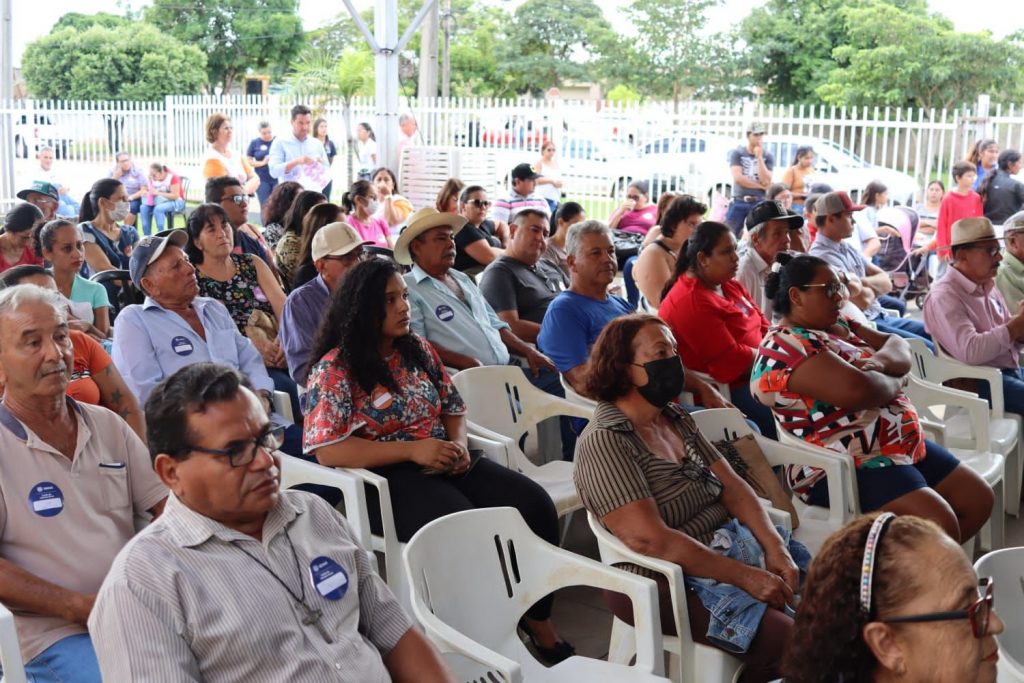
658,484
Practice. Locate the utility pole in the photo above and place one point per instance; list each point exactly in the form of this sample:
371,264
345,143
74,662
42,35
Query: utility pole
448,24
428,56
6,100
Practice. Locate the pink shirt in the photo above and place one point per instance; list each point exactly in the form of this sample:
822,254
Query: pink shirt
968,320
639,221
376,230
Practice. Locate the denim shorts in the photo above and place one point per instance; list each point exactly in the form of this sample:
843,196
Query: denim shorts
880,485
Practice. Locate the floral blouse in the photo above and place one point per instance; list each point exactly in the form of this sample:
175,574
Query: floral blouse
287,251
337,407
241,294
877,437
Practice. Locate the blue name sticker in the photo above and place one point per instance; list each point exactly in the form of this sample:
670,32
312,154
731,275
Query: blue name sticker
444,313
46,499
182,346
329,578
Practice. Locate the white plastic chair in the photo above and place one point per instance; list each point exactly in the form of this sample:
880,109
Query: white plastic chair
1004,428
689,662
972,449
501,402
474,574
1006,567
816,523
722,387
283,406
387,543
10,650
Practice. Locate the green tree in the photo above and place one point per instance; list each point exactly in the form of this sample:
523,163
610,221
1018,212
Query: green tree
900,58
235,35
550,42
790,44
81,22
99,63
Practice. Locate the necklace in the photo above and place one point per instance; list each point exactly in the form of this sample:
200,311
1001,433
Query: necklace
311,617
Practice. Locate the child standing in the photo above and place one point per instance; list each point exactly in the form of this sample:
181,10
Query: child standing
960,202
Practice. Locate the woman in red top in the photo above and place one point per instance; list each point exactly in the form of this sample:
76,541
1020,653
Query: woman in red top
715,321
16,239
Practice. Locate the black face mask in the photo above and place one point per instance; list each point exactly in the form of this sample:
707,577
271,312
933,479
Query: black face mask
665,378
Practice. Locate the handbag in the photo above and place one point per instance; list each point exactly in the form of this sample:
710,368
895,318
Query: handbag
747,459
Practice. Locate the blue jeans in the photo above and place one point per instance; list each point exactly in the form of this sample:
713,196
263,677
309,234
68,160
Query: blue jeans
264,190
737,215
894,303
632,291
69,660
908,328
1013,390
160,211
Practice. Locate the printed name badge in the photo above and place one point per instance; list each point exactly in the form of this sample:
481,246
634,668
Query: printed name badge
381,398
46,499
329,578
181,346
444,313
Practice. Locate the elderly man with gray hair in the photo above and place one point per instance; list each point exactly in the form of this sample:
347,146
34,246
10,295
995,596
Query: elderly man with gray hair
73,477
576,317
1010,277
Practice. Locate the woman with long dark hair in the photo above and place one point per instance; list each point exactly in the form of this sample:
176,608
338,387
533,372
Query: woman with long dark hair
799,176
379,397
984,156
108,241
653,269
316,219
20,225
714,318
289,247
274,208
361,204
393,208
1002,195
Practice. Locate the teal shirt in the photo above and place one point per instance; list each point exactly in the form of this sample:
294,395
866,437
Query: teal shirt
440,317
86,297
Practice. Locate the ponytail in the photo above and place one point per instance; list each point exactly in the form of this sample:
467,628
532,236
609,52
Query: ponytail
790,270
101,189
702,241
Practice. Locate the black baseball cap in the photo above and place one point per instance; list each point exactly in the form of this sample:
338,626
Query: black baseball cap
772,211
524,172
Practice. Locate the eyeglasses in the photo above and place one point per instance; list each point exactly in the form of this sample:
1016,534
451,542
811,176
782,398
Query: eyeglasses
479,203
991,251
977,614
244,453
358,254
831,288
238,199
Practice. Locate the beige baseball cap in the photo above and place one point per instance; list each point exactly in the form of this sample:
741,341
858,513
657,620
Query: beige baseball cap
336,239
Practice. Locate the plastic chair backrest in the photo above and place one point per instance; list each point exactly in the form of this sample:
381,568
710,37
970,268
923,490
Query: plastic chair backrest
941,367
1006,567
500,398
10,651
502,570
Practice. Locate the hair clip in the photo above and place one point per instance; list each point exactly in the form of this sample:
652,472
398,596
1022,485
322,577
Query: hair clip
867,569
776,267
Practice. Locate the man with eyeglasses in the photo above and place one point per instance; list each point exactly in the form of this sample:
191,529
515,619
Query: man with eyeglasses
524,183
833,217
968,316
336,248
73,477
238,580
229,194
44,196
175,327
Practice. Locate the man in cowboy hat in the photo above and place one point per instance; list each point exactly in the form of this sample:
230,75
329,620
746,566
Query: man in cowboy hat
968,316
448,309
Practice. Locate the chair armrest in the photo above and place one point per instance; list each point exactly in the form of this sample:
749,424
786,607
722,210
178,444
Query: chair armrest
283,405
838,468
954,369
556,406
447,639
570,569
493,449
926,393
392,547
935,430
295,471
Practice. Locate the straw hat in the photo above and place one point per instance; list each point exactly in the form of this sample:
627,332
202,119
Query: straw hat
423,220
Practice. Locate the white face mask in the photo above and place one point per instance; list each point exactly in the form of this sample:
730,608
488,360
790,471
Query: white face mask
371,206
120,211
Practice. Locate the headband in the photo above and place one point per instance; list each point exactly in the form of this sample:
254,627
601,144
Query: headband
867,569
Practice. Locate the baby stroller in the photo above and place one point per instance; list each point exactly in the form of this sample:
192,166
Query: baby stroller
909,274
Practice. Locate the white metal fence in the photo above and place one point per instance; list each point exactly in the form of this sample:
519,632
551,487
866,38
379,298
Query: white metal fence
599,142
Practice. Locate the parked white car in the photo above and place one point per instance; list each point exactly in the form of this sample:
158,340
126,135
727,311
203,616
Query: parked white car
32,132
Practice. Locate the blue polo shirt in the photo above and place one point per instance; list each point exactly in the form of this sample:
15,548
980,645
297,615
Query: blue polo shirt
471,328
572,324
304,308
286,147
151,343
847,259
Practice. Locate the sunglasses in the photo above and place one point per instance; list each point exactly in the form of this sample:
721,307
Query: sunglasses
978,614
831,288
238,198
479,203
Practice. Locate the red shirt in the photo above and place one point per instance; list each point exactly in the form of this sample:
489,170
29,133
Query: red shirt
954,207
28,257
717,335
90,360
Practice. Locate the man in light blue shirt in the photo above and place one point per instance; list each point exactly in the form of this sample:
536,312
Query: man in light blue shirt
290,153
175,327
448,309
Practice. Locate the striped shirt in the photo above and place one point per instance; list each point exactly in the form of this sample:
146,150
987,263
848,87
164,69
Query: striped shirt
187,600
614,467
505,210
